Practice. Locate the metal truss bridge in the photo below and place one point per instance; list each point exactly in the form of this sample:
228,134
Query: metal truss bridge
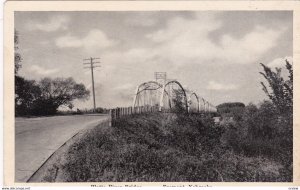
163,95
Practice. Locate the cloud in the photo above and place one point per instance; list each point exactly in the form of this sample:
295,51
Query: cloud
44,43
42,71
94,39
68,41
185,41
251,47
280,62
125,86
213,85
141,19
179,28
58,22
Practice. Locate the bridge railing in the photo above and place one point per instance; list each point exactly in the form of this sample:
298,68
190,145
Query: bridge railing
122,112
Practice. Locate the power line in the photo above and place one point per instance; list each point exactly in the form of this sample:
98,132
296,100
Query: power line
92,64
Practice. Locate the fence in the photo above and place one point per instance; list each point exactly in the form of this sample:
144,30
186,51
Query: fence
127,111
122,112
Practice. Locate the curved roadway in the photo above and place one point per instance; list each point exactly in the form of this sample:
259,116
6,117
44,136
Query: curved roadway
36,139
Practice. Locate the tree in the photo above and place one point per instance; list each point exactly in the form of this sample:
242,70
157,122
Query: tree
58,92
27,92
179,102
280,91
17,55
262,122
229,105
231,109
46,96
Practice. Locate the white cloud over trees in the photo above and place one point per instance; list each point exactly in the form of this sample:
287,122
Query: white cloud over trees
42,71
95,38
213,85
280,62
188,41
54,23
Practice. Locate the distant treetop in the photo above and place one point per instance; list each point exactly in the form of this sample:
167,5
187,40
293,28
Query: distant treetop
231,109
231,105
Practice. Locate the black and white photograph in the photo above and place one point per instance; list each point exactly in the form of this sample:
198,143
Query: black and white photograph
153,96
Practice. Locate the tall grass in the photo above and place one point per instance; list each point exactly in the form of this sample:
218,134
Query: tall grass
164,147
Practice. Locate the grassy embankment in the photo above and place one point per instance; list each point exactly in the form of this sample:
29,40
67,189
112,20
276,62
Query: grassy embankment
164,147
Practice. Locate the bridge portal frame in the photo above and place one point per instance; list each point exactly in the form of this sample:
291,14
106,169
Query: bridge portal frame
138,90
161,104
198,102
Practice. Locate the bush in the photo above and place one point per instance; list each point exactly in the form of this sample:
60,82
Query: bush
262,131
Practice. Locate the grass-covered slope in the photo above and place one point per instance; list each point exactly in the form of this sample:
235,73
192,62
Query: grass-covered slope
162,147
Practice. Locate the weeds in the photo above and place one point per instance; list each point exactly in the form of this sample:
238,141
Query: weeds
161,147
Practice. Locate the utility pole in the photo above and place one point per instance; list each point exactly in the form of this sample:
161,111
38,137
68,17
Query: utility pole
92,65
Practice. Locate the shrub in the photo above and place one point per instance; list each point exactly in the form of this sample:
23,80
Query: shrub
262,131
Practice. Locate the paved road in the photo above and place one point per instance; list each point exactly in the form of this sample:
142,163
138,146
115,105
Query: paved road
38,138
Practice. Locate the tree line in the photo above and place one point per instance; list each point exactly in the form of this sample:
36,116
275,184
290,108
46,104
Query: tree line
44,97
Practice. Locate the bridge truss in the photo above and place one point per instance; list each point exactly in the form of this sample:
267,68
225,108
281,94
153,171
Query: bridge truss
164,96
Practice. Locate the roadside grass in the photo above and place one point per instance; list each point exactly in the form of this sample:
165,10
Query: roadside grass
161,148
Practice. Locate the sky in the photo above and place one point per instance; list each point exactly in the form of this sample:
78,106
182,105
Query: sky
213,53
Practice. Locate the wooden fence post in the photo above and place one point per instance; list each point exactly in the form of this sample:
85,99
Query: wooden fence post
113,116
117,113
110,114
